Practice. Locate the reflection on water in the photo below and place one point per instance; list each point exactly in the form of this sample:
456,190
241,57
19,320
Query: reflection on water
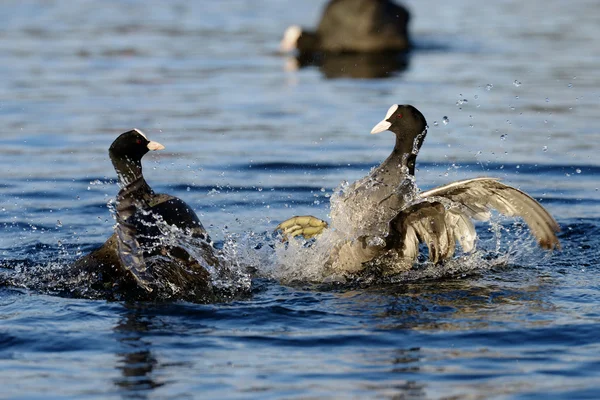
352,65
248,145
137,364
460,305
403,365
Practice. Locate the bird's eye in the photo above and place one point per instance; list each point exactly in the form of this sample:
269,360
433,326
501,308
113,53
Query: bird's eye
399,115
139,141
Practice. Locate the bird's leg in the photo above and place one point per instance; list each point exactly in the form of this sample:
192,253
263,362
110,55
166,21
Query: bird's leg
305,225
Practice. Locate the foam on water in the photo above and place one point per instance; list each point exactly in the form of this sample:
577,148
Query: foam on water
299,260
201,78
499,242
228,277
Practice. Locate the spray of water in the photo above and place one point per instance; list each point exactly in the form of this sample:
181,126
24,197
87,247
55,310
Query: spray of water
309,260
176,260
264,255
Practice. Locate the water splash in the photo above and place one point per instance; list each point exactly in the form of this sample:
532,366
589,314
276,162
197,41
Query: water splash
171,275
226,272
500,241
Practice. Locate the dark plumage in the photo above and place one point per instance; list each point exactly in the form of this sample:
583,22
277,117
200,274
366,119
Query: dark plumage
440,217
385,187
390,217
353,65
349,26
139,260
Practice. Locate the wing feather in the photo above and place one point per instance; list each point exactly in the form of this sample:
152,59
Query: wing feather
480,195
463,229
424,222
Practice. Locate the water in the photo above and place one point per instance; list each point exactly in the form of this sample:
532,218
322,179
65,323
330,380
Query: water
249,144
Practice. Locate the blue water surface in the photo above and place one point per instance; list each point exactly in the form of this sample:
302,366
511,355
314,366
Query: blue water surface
510,89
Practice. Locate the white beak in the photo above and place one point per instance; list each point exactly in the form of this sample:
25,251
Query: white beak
152,145
380,127
290,39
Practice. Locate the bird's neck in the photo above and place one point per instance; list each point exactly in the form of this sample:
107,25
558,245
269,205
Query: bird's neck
400,160
128,170
131,179
308,41
404,155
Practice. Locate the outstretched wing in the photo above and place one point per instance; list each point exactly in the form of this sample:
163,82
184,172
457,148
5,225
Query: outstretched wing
443,217
477,197
129,249
430,223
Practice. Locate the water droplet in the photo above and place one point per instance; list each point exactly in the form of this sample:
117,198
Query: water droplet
517,83
187,189
323,190
489,87
502,137
545,148
435,123
376,241
445,120
476,96
59,224
547,100
578,170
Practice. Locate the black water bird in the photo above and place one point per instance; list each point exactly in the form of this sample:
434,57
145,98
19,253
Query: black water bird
142,259
389,217
353,26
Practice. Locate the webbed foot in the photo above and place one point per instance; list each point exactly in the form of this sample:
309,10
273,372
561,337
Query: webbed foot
304,225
